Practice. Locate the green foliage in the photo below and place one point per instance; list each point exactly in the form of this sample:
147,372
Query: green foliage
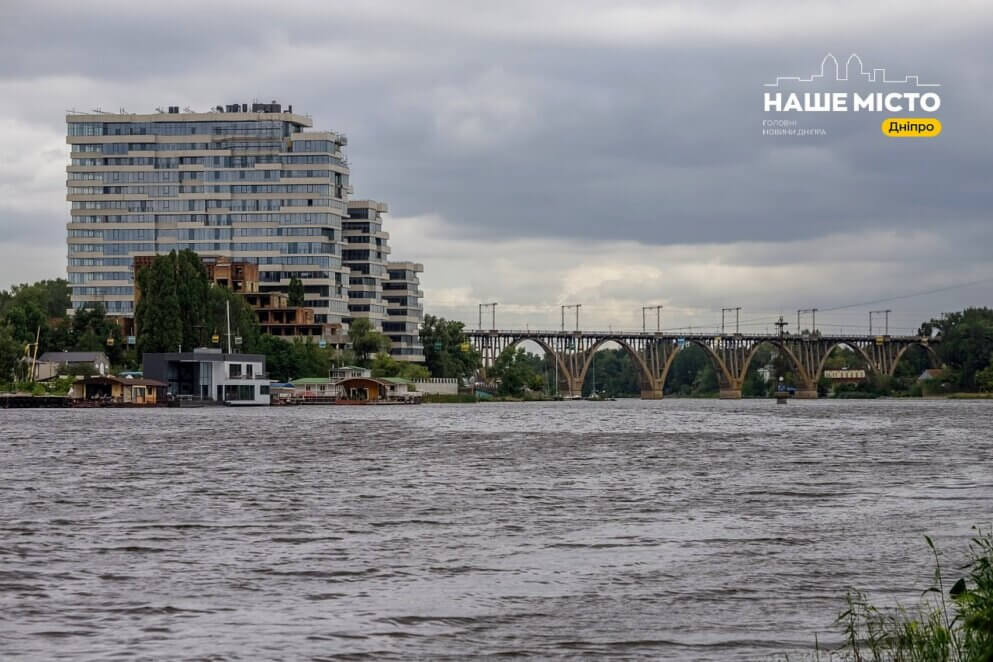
517,370
692,373
91,331
385,365
984,378
179,307
365,340
296,293
443,355
286,360
953,623
157,315
966,344
615,372
10,353
244,323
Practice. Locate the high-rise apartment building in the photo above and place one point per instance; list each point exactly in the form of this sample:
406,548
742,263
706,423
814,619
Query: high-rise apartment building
365,253
248,183
404,311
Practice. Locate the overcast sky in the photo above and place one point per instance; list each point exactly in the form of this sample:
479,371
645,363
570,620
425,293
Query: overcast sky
539,153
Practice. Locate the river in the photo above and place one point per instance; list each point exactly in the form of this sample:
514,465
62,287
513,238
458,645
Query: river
673,529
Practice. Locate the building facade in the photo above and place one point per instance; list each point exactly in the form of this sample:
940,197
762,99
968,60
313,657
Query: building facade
249,183
207,374
365,253
404,311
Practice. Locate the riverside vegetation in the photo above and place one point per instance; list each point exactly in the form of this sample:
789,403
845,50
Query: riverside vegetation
952,623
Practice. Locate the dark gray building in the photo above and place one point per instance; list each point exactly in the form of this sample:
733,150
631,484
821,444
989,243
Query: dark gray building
207,374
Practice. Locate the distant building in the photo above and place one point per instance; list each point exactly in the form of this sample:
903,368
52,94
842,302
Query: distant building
404,311
437,385
207,374
119,390
931,373
95,361
377,389
247,182
257,194
845,375
346,371
365,254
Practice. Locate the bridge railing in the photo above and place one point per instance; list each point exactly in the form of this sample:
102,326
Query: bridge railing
692,335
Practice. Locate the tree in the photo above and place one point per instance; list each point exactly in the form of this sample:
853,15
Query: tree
10,353
192,287
443,342
517,370
244,322
615,373
692,373
984,378
92,331
297,295
385,365
157,316
365,340
966,343
51,296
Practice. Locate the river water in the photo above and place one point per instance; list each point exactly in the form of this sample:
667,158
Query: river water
674,529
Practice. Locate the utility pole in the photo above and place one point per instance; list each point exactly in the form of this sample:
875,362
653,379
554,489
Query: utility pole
658,318
227,309
737,318
886,314
781,325
572,305
813,318
492,307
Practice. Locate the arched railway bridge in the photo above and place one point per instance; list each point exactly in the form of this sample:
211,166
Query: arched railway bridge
730,354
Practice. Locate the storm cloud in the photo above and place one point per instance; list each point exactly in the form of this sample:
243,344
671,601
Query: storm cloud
538,153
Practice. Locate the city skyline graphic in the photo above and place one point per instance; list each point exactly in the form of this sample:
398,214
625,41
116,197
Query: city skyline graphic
875,75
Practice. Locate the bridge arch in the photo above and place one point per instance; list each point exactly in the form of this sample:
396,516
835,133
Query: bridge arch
858,349
646,373
932,355
724,378
545,346
782,347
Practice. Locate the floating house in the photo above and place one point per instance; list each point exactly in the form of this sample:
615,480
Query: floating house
118,390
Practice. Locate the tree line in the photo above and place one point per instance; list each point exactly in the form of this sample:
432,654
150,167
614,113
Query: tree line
179,307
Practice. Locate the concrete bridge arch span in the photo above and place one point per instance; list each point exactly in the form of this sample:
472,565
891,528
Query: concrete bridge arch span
648,380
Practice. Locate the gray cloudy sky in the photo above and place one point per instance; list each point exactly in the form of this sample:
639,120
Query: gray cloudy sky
538,153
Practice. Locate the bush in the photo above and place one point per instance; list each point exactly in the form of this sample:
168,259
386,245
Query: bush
949,624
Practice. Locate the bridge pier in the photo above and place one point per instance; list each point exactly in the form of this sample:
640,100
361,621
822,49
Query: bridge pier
652,393
574,388
805,393
730,394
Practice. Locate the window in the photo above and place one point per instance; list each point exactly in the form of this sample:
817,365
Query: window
234,370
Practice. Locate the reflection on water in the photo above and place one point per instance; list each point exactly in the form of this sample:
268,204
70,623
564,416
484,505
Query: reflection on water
675,529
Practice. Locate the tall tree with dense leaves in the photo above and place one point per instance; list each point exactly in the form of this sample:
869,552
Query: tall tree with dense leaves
158,321
191,289
365,340
443,348
966,343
